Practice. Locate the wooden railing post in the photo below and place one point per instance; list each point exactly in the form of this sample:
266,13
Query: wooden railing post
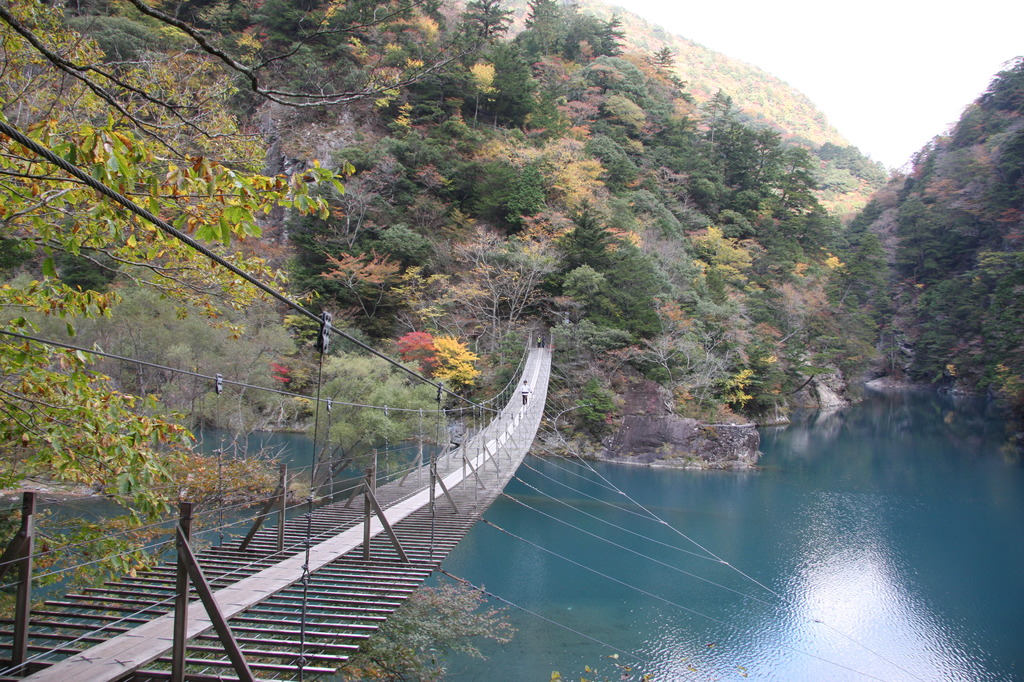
277,498
217,619
368,482
190,573
282,506
181,594
23,606
395,542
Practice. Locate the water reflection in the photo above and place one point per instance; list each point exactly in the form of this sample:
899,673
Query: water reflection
852,609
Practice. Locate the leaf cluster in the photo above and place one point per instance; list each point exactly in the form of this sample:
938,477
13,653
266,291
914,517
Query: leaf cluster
434,621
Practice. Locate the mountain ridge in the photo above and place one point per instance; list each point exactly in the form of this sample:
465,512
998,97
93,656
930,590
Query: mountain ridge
697,64
706,71
847,176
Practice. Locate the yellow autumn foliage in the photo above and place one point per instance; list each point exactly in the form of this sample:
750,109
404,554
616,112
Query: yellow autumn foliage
455,362
483,76
729,255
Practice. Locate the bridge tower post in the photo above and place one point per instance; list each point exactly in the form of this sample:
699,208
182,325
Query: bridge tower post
181,597
369,481
19,555
282,506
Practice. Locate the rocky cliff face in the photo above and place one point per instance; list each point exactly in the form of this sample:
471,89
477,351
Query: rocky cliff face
651,434
824,391
670,440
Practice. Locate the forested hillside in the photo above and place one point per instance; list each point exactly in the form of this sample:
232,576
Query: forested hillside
438,184
952,230
557,178
846,178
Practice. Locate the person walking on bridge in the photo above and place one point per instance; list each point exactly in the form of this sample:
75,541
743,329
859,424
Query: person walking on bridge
526,392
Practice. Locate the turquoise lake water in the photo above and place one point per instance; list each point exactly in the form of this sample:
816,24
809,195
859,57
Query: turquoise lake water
884,541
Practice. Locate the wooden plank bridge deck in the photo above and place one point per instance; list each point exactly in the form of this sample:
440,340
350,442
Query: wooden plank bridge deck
124,630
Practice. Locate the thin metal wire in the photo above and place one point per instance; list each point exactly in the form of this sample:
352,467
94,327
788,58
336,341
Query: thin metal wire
606,522
637,553
604,645
301,662
176,370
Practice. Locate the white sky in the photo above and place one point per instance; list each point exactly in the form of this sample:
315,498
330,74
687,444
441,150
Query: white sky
889,74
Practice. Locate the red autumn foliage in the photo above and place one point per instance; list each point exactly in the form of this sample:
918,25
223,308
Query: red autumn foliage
280,373
418,347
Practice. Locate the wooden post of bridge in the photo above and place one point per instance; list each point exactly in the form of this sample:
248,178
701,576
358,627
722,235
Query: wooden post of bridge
369,485
188,573
282,507
19,555
181,597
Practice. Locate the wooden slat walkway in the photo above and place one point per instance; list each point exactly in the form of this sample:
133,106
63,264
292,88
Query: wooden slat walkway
123,630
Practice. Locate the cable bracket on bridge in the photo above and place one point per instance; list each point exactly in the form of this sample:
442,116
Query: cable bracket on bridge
324,340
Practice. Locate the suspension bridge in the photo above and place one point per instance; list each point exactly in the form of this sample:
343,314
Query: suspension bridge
288,601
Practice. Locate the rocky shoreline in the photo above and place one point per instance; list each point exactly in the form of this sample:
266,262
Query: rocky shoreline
651,434
668,441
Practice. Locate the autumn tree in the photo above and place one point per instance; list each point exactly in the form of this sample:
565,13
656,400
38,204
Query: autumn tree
367,276
500,280
483,82
418,347
119,127
728,258
455,363
426,299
